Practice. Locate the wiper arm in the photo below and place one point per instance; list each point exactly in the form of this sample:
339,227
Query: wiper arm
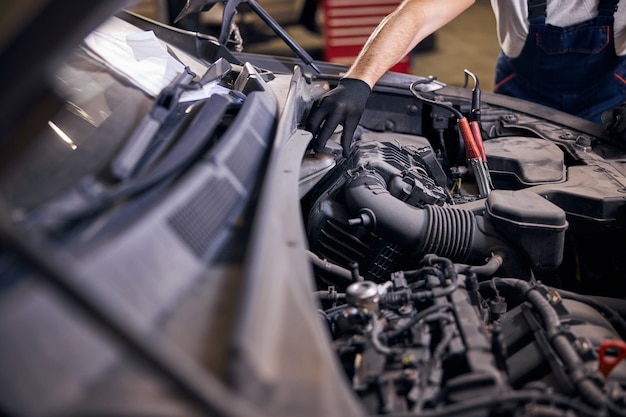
131,156
128,159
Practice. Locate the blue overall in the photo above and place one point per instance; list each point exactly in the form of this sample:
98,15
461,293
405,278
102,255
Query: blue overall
574,69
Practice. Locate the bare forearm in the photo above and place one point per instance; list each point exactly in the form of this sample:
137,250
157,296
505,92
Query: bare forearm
400,32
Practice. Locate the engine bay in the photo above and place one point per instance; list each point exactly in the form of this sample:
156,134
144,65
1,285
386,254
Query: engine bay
453,285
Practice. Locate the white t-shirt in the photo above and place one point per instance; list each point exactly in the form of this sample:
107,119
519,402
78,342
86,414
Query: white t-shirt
512,21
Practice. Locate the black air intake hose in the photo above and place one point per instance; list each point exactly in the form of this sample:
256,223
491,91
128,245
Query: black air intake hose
452,233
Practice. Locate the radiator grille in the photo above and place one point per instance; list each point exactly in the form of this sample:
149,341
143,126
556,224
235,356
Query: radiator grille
199,221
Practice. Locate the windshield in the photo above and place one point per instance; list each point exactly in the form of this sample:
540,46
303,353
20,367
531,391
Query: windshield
100,111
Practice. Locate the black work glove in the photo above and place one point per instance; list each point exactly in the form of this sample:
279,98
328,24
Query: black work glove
614,121
343,105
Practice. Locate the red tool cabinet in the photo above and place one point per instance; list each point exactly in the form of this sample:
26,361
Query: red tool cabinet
348,24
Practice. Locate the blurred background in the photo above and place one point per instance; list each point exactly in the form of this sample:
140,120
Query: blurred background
334,30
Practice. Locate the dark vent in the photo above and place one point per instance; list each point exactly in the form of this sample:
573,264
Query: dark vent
385,262
199,221
339,245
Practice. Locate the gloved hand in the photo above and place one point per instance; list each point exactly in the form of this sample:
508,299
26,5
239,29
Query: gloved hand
342,105
614,121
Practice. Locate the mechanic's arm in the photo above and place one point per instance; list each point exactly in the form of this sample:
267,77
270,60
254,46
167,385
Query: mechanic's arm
394,38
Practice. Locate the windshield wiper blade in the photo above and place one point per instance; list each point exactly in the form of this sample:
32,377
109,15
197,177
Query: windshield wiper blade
130,158
124,165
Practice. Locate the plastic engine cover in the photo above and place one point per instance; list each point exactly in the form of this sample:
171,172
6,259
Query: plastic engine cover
534,223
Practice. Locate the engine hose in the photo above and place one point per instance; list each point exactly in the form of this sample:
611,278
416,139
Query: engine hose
328,296
415,319
453,233
375,337
446,266
494,262
561,344
613,316
338,271
436,266
419,274
449,232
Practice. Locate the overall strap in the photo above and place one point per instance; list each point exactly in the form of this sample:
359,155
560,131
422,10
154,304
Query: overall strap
537,8
607,7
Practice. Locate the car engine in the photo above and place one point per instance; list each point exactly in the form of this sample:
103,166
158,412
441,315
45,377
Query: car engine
442,300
